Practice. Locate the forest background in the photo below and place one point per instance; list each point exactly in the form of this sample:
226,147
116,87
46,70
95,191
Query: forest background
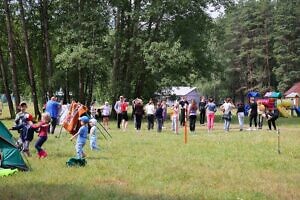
100,49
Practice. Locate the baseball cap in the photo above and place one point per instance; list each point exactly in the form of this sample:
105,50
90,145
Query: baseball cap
85,119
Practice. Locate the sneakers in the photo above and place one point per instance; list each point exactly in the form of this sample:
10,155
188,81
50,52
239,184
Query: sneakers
42,154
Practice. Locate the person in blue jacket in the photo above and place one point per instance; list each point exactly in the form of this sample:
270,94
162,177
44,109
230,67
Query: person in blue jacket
53,107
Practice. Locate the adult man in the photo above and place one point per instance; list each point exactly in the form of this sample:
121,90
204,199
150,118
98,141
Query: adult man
117,108
52,107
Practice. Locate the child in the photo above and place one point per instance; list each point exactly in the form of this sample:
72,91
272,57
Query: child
93,135
82,135
27,132
43,127
20,122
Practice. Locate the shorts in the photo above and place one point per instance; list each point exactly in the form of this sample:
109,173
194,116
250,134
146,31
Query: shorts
125,116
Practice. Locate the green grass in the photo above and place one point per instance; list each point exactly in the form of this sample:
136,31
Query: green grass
238,165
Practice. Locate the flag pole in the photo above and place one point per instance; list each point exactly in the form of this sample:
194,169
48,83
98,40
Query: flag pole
185,126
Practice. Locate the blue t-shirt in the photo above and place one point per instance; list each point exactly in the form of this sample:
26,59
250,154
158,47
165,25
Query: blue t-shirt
52,107
83,133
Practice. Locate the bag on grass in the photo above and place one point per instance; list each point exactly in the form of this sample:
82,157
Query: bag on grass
76,162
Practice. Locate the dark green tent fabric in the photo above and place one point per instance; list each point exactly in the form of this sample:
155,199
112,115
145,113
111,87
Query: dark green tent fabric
10,154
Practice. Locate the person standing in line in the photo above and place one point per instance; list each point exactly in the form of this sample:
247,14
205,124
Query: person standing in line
261,109
211,108
117,108
241,114
227,115
165,112
150,110
175,118
192,112
124,108
105,114
253,114
202,109
139,112
53,107
159,116
183,106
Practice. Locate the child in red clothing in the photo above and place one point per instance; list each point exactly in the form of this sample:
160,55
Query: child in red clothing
43,126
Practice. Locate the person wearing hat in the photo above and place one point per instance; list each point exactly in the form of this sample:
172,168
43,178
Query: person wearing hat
81,136
20,121
26,132
93,134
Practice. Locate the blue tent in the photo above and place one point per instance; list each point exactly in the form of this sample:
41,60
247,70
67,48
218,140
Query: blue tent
253,94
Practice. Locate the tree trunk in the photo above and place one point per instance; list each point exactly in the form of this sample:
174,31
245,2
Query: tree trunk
6,87
116,57
48,56
11,47
29,63
81,85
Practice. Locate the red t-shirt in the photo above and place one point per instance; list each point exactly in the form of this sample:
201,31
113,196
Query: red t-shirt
124,106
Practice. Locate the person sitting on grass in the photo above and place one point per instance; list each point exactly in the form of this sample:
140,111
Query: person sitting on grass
82,136
43,127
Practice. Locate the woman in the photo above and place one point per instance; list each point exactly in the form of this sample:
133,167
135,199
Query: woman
192,112
227,107
211,108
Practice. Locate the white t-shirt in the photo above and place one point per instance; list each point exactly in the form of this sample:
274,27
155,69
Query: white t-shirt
227,107
150,109
105,110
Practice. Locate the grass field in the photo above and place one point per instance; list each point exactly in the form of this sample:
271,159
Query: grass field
238,165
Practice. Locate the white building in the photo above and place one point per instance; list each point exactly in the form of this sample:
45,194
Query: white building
175,93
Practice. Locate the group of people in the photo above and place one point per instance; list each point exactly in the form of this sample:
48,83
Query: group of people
183,111
26,127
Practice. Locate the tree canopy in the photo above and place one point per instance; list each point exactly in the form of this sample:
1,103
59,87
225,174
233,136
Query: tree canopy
102,49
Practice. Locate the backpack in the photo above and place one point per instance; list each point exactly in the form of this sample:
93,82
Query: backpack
76,162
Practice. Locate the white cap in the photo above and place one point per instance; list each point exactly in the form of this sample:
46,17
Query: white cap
93,121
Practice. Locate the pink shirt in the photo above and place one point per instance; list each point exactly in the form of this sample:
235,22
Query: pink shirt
44,128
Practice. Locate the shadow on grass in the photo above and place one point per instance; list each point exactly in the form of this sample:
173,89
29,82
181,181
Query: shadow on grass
42,191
